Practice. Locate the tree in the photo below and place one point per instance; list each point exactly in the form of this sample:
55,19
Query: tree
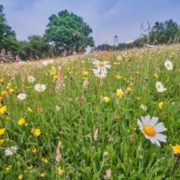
35,48
164,32
68,32
5,30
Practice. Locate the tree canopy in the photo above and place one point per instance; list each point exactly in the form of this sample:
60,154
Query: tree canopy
67,31
5,29
166,32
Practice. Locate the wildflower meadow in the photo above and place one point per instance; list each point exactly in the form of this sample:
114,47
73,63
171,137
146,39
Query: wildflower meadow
106,115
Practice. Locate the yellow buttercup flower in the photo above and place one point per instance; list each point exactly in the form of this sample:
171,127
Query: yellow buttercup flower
118,77
29,109
11,90
45,160
1,80
119,93
8,168
1,142
42,174
128,90
53,70
36,132
106,99
21,122
3,110
160,105
34,150
60,171
3,93
2,131
176,149
55,78
20,177
123,56
85,73
156,76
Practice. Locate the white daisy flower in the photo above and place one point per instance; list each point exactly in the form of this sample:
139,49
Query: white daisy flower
152,130
100,74
168,64
160,87
21,96
10,151
31,79
39,87
15,148
102,65
45,63
119,57
143,107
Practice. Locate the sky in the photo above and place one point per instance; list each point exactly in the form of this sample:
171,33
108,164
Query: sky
107,18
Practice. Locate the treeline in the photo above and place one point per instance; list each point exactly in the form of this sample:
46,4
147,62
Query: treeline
67,33
160,33
64,34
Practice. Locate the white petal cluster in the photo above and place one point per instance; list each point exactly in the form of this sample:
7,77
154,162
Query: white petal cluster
160,87
39,87
153,125
22,96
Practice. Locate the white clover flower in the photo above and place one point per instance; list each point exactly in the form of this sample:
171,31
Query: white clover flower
160,87
168,64
152,130
22,96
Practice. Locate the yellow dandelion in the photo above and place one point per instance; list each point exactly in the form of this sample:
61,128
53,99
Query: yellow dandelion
85,73
36,132
53,70
119,93
106,99
60,171
21,122
2,131
20,177
3,93
3,110
128,90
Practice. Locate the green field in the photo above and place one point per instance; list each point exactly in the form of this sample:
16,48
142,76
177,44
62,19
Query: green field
75,125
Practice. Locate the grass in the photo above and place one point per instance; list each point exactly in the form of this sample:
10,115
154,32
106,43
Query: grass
73,115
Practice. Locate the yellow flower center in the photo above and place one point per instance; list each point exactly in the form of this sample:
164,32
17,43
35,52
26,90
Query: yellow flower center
168,65
40,88
149,130
101,64
158,86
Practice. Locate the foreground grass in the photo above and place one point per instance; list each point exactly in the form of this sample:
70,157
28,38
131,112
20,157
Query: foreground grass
72,114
